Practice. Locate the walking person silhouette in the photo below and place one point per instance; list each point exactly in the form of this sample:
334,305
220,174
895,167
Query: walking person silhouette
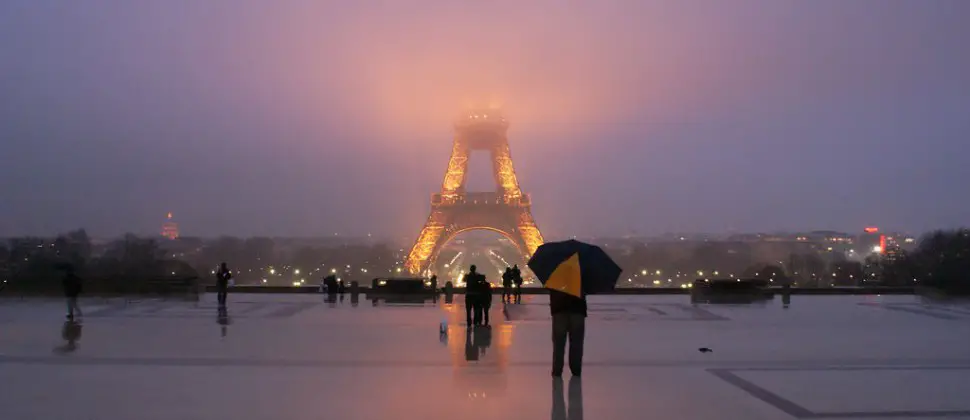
222,283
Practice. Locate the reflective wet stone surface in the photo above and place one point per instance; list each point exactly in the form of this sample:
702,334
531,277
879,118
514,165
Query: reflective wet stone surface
301,357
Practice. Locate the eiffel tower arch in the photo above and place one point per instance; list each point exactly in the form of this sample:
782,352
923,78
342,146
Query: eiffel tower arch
506,210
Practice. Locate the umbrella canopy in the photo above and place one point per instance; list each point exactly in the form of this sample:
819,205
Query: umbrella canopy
575,268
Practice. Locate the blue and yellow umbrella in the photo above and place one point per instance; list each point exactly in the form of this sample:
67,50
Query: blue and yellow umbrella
574,267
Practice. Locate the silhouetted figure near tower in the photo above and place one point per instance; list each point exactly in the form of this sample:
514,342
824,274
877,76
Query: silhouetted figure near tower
507,285
517,279
568,324
222,283
72,289
473,304
484,300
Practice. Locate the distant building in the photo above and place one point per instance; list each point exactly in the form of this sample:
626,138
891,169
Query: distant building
170,229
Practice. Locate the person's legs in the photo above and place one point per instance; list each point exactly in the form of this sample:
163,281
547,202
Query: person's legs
478,313
469,307
577,333
560,324
76,309
485,310
70,306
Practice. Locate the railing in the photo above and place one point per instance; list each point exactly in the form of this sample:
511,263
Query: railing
487,198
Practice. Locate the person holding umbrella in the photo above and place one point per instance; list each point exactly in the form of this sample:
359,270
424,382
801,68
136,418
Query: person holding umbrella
571,270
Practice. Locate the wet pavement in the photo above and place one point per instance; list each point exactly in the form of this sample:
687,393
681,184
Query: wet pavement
298,357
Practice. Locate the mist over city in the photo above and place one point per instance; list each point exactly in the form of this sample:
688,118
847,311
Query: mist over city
441,209
305,119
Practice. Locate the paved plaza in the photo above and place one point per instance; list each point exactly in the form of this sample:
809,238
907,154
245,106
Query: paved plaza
284,357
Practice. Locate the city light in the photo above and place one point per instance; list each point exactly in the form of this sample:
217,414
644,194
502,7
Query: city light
297,271
644,272
877,249
272,271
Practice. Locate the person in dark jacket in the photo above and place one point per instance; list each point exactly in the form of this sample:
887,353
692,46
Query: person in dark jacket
72,289
222,283
507,285
517,280
568,323
473,305
485,299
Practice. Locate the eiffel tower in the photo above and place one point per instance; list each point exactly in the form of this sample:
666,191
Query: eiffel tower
506,211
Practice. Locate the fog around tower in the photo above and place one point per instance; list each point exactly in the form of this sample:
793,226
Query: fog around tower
307,118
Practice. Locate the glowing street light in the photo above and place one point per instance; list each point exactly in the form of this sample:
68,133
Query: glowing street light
297,271
272,271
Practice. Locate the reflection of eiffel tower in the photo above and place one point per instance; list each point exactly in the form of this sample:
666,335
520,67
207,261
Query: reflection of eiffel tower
453,211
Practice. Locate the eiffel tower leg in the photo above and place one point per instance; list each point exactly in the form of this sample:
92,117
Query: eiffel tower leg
428,242
528,231
454,182
504,173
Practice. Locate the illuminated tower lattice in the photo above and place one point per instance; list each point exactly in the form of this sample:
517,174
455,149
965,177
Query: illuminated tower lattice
170,229
506,211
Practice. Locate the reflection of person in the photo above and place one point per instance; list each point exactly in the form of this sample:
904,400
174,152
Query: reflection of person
72,289
483,339
222,283
568,323
223,321
70,332
471,352
575,411
477,341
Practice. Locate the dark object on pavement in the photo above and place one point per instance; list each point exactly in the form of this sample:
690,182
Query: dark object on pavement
705,350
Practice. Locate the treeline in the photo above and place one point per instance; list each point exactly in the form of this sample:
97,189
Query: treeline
33,265
133,264
942,260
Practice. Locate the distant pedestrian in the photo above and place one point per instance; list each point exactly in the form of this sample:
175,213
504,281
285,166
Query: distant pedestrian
568,323
507,285
72,289
517,279
222,283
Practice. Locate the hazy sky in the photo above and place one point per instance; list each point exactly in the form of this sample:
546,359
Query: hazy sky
308,117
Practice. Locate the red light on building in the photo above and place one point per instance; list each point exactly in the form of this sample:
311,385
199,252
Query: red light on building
882,244
871,229
170,229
